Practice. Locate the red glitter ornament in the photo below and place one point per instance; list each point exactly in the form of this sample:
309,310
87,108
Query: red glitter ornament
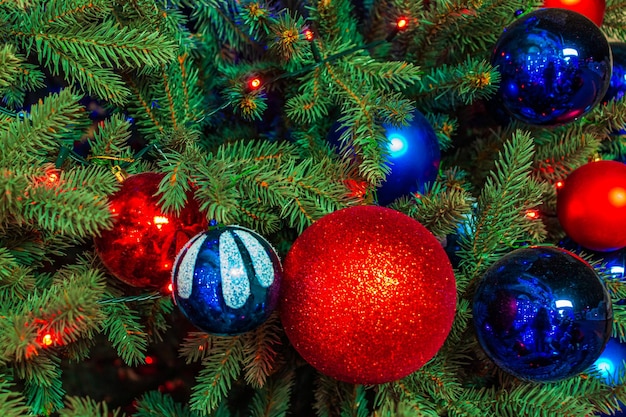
591,9
591,205
141,247
368,295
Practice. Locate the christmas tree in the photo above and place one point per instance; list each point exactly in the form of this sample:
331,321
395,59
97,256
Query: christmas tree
257,124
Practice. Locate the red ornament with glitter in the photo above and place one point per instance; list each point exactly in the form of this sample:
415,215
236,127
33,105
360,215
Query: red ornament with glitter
368,295
141,247
591,206
591,9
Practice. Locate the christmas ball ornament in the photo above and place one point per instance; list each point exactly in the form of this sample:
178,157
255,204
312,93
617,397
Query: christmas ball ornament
414,157
226,280
368,295
141,247
542,314
591,9
591,205
555,66
617,86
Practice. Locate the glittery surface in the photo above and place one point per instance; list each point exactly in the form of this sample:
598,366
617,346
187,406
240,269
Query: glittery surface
186,262
141,247
227,294
368,295
262,263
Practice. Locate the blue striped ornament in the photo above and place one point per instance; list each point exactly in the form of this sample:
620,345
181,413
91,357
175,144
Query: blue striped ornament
226,280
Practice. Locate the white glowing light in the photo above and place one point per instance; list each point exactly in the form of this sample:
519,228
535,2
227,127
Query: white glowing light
616,269
563,304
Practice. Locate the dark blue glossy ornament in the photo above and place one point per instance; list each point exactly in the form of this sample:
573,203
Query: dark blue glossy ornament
555,66
414,158
226,280
617,86
542,314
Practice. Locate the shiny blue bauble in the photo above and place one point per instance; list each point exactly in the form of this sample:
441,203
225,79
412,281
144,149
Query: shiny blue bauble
226,280
555,66
414,158
617,86
542,314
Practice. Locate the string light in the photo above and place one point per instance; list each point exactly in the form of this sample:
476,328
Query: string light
46,340
532,213
559,184
309,35
254,83
402,23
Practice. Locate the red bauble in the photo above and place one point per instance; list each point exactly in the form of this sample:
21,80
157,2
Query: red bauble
141,247
591,205
591,9
368,295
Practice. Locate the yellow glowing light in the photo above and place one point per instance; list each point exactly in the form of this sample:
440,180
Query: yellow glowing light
47,339
402,23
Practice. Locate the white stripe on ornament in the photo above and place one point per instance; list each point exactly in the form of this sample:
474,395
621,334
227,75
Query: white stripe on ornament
261,261
235,281
186,268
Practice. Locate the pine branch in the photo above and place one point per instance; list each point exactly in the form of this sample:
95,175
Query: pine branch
273,399
219,371
156,404
43,386
12,404
356,405
259,350
498,225
81,407
196,346
125,332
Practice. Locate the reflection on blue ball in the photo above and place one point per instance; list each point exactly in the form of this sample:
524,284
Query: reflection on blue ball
414,157
542,314
555,66
617,86
226,280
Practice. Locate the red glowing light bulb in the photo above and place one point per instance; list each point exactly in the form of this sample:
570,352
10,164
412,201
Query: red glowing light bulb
532,214
309,35
402,23
254,83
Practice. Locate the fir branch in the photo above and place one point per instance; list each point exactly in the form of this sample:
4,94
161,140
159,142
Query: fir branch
356,405
81,407
16,281
313,102
111,139
196,346
259,352
38,134
440,209
273,399
125,333
218,372
43,386
446,87
619,322
562,150
387,76
553,400
10,65
509,191
326,395
156,404
12,404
